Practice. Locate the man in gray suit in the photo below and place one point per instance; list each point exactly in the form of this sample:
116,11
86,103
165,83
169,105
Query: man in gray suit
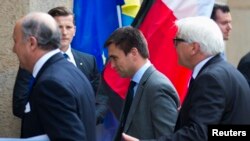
155,101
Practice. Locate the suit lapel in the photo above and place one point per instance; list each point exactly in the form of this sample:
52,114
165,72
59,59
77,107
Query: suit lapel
216,58
79,63
188,97
138,95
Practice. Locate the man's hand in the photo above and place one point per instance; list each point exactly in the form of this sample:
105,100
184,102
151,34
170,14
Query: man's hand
128,138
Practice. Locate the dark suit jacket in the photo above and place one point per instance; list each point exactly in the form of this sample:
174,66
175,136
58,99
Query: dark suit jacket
85,62
244,66
153,112
218,95
62,103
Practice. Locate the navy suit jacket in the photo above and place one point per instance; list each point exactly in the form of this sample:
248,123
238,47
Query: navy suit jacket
62,103
218,95
85,62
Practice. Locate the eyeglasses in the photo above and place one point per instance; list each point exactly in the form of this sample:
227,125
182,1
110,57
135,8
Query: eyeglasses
177,40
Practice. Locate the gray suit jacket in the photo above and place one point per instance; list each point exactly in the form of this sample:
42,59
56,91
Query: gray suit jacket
153,112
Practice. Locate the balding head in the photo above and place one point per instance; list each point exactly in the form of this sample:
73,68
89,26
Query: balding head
43,27
34,35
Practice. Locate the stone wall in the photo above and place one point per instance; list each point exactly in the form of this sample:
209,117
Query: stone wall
10,11
238,44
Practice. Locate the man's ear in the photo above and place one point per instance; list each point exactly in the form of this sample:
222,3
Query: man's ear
75,31
134,51
195,48
33,42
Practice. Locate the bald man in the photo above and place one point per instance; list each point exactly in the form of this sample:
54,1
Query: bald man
61,101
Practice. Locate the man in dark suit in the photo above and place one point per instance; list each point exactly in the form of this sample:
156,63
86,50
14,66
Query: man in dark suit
244,66
85,62
218,93
61,100
152,111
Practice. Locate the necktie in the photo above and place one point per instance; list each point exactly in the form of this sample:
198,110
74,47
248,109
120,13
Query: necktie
191,81
27,104
31,83
128,101
65,55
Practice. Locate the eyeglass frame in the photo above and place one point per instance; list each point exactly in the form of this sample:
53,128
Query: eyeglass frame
176,40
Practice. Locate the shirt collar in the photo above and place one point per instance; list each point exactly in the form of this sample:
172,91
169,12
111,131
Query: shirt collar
138,75
41,61
68,52
198,67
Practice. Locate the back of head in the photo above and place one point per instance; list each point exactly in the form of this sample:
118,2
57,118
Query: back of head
44,28
223,8
202,30
60,11
128,37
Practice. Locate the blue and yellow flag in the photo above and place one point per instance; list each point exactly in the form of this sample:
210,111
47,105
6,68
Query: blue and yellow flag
95,21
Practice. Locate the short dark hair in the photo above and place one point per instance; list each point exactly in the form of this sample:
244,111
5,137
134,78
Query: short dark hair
128,37
223,8
60,11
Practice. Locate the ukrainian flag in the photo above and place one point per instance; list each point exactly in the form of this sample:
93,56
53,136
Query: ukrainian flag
129,11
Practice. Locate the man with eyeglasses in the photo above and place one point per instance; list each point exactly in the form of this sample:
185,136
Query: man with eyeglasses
218,95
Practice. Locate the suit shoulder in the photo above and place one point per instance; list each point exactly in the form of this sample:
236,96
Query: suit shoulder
245,59
83,54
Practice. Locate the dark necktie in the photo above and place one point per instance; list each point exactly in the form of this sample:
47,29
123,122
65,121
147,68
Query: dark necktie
65,55
128,101
31,83
191,81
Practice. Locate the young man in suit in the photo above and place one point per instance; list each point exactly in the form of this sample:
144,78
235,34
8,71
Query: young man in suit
218,94
153,110
85,62
61,100
222,16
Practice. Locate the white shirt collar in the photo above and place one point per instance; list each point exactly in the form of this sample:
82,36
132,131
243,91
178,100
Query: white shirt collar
42,61
71,57
198,67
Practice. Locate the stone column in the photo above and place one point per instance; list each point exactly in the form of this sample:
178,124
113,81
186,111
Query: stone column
10,11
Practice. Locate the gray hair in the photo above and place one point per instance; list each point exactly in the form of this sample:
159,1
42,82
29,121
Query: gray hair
202,30
44,28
